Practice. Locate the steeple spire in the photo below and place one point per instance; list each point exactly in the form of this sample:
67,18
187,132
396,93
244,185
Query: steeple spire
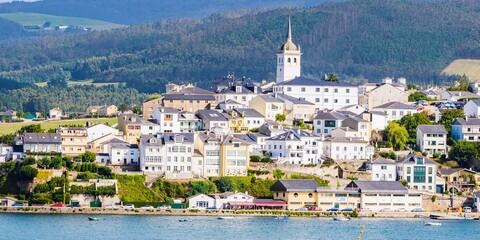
289,34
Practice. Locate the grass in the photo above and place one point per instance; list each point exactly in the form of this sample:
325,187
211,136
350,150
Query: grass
29,19
131,188
80,83
469,67
43,175
7,128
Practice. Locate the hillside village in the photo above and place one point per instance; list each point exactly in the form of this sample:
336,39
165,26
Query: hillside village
319,144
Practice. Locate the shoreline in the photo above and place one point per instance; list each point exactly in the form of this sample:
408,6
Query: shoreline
196,212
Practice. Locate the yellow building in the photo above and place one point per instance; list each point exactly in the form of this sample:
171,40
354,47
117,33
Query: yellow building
234,157
268,105
131,126
74,140
190,103
149,107
105,110
236,121
297,193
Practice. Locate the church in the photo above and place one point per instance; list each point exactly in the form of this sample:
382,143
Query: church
326,95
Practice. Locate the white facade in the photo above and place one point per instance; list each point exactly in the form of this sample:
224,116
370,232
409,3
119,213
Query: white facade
419,172
6,152
201,201
341,148
167,119
466,129
395,110
209,145
391,201
100,130
472,109
432,139
229,200
122,154
384,170
296,147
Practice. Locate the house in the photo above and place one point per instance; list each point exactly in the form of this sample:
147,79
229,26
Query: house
384,170
6,152
474,86
326,95
74,140
251,117
233,200
467,129
382,94
104,110
472,109
189,122
121,152
432,139
395,110
229,104
7,201
296,193
325,122
234,156
267,105
459,179
168,119
453,96
377,119
418,171
295,146
354,127
385,195
211,119
55,113
190,99
168,153
353,109
133,126
7,116
209,147
96,145
239,93
99,130
297,109
149,106
347,148
201,201
431,94
40,142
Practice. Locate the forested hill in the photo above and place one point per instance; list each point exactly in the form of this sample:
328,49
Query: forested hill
366,38
141,11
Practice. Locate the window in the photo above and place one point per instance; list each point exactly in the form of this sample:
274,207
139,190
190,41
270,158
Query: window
383,167
347,101
325,90
335,100
295,60
289,60
335,90
325,100
317,99
310,195
330,123
295,195
289,89
303,89
317,89
348,90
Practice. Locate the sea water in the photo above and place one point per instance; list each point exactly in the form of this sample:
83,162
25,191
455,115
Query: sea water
32,226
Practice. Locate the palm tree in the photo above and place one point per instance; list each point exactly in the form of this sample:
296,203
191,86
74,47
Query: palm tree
333,77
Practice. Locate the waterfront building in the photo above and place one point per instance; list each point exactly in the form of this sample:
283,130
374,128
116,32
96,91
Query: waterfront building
384,170
418,171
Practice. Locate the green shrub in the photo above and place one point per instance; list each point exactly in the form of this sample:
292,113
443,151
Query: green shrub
255,158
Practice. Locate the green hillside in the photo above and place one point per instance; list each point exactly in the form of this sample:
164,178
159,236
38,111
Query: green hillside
361,39
29,19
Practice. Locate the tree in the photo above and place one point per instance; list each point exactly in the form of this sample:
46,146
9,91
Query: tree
416,96
463,84
122,107
27,172
33,128
397,135
462,152
280,117
332,77
411,86
137,111
411,122
224,184
278,174
448,116
88,157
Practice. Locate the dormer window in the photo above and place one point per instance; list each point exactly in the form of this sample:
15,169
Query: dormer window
419,160
178,139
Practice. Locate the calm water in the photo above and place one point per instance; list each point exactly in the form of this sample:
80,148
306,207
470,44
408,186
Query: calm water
18,226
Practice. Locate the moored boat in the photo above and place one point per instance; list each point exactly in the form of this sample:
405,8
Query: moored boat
225,217
282,217
341,218
93,219
433,224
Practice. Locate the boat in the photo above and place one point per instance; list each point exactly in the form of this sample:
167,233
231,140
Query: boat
445,217
433,224
183,220
341,218
282,217
225,217
93,219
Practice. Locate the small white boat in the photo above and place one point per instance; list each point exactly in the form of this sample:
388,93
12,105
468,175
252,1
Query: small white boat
433,224
341,218
282,217
225,217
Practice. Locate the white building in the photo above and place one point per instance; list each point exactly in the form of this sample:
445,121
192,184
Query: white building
211,119
326,95
432,139
347,148
288,59
382,94
378,119
353,127
418,171
209,146
168,119
325,122
40,142
251,117
97,131
230,104
230,200
168,153
295,146
268,105
6,152
472,109
297,109
395,110
384,170
120,152
453,96
189,122
201,201
466,129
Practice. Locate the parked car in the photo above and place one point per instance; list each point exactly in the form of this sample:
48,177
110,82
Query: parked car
128,206
164,207
317,209
332,210
57,205
19,204
210,208
146,207
74,205
302,209
110,206
401,210
347,210
385,210
418,210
